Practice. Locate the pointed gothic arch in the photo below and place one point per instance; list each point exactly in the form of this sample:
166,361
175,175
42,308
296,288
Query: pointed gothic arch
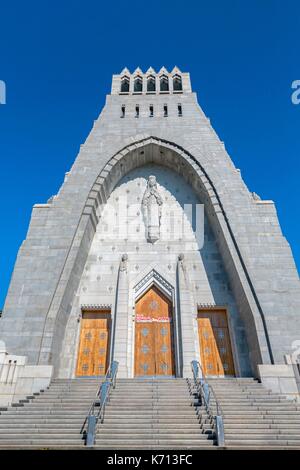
137,153
138,84
153,278
125,82
151,84
177,83
164,83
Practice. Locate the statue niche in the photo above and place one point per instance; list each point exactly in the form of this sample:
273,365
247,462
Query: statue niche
151,205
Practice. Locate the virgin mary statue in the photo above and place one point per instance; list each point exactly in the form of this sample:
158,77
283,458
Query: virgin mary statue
151,204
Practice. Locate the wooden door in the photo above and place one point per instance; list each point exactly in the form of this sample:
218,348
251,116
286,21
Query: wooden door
93,353
154,350
215,345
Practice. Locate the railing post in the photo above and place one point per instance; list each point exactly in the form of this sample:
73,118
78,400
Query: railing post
91,430
220,430
114,368
206,393
195,369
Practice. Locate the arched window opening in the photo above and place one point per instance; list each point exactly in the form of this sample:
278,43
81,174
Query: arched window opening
125,85
164,83
177,83
151,110
138,85
123,111
165,110
151,84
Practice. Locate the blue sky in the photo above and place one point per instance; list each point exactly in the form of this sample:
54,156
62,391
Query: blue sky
57,58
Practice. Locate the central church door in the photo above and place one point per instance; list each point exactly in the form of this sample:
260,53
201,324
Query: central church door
154,349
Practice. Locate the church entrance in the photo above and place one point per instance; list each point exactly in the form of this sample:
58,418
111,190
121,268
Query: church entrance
215,345
93,355
154,343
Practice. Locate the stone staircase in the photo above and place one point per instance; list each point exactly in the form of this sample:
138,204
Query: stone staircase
153,414
52,418
254,417
141,414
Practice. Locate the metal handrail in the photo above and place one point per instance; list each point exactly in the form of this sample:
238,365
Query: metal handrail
97,409
206,393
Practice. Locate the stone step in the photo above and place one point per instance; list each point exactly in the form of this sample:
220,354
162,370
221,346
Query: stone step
258,420
108,427
149,435
163,412
259,408
262,431
150,404
126,392
146,393
253,398
43,405
161,379
150,385
42,420
241,389
266,443
61,415
41,436
255,426
200,445
116,433
255,413
75,432
268,436
142,419
181,440
8,427
21,442
140,401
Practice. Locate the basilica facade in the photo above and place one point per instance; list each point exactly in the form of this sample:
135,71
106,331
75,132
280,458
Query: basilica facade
154,253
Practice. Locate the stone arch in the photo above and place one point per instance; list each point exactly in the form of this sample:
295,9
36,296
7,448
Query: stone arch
168,154
153,278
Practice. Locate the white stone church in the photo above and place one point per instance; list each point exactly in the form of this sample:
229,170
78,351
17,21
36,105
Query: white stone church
153,253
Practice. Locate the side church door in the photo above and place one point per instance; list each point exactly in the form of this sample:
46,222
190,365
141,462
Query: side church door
215,344
93,355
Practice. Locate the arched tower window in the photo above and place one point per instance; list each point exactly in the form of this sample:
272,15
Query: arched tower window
138,85
164,83
177,83
125,85
151,83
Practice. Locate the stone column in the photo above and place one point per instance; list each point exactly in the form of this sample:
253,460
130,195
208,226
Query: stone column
120,334
185,315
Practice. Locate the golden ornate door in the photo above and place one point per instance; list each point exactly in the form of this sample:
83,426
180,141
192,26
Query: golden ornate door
93,352
154,351
215,345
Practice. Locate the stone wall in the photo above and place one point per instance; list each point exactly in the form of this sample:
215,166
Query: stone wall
18,379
